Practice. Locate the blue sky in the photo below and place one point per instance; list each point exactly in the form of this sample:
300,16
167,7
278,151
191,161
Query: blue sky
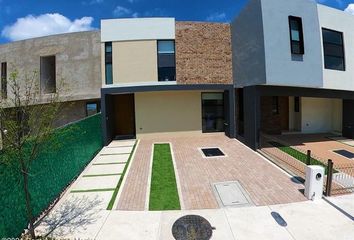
20,19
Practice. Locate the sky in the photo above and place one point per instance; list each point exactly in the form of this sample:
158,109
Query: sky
22,19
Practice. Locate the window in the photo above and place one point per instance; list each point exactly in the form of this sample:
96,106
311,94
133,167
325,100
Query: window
4,80
212,112
296,35
48,74
333,49
297,104
92,108
166,60
108,62
275,105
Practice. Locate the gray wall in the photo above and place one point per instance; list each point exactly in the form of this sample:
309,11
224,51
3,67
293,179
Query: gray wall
248,46
77,61
283,68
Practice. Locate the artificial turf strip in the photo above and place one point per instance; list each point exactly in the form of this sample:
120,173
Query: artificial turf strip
101,175
163,191
115,193
93,190
298,155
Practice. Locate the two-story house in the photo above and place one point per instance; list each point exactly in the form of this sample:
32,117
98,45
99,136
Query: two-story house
162,76
67,64
293,69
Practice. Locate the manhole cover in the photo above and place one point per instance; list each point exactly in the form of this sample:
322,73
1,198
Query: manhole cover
192,227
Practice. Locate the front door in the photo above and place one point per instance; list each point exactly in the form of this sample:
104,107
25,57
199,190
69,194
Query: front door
124,116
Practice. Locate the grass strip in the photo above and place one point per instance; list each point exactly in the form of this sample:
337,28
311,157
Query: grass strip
298,155
93,190
101,175
163,191
112,163
115,193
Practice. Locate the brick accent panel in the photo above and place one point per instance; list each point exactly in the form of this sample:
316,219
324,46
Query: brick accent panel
203,53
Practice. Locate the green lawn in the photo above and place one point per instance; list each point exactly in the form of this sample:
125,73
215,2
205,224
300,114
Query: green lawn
298,155
163,191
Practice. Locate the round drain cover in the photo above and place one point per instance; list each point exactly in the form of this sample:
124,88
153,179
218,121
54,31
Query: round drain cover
192,227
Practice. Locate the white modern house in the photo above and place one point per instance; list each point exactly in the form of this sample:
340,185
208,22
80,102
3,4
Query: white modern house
293,67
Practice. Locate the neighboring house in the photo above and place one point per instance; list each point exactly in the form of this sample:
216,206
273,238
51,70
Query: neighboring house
293,67
68,63
161,76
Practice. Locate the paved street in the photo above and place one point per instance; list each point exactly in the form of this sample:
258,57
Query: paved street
305,221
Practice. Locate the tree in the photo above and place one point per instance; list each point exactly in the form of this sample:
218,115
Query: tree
26,127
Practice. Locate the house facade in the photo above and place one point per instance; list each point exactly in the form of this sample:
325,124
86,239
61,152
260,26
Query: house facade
163,76
280,67
293,64
68,64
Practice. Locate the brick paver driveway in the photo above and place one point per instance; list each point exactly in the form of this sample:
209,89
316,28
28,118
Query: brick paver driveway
265,183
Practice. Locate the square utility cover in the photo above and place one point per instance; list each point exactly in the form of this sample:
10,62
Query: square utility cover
232,194
212,152
344,153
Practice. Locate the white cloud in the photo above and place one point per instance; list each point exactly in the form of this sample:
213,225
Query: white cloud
92,2
44,25
217,17
121,11
350,8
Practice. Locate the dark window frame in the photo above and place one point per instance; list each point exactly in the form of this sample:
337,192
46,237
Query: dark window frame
275,105
220,105
333,44
54,90
158,57
3,80
98,106
298,20
108,60
297,104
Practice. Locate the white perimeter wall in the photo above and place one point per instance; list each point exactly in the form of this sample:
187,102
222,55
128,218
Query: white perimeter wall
321,115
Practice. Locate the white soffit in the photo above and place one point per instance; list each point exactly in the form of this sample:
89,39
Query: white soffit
129,29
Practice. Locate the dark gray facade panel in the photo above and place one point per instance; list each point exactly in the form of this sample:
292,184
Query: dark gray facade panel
251,104
348,118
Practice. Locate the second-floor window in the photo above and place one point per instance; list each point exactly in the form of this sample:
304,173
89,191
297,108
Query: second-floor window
333,50
296,35
166,60
108,62
3,80
48,74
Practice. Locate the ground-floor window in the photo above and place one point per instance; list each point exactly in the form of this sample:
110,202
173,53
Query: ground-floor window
92,108
213,112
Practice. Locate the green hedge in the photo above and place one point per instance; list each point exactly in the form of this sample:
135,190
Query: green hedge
51,172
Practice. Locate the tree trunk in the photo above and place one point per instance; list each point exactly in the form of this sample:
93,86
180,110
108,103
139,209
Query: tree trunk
28,201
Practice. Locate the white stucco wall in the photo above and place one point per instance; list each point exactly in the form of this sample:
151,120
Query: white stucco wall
343,22
281,68
321,115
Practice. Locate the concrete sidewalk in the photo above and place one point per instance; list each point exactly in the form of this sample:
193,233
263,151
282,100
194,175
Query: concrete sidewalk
305,220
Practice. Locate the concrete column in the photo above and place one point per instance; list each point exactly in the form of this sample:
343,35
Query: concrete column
251,103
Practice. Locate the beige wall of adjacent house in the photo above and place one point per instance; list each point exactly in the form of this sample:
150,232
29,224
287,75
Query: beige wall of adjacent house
321,115
157,112
134,61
